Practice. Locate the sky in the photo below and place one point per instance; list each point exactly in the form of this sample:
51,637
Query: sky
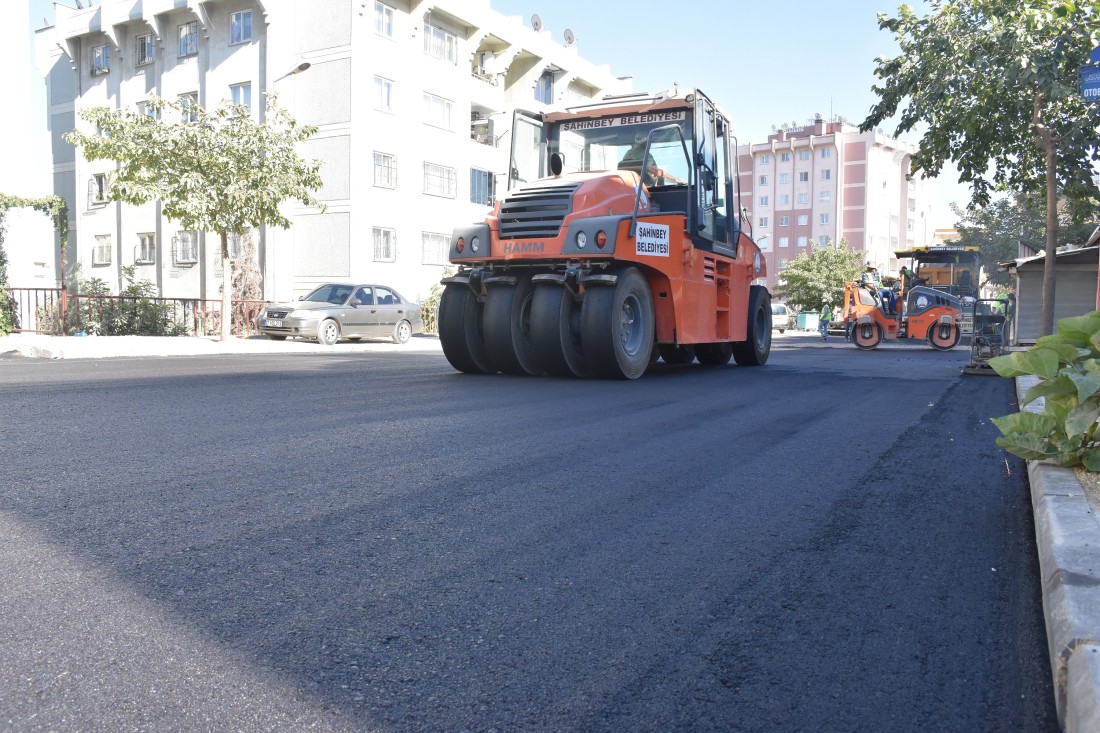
764,63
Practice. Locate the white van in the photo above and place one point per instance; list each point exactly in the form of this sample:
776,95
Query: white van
781,317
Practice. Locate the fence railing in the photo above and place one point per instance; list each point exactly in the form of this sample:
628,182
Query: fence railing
51,311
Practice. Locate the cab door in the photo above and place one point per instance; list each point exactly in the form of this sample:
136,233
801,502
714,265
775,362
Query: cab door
528,147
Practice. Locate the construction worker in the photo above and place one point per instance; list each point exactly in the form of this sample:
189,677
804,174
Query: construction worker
823,320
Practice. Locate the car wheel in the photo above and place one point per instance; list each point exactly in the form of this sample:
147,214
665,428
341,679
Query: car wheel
328,332
275,337
402,332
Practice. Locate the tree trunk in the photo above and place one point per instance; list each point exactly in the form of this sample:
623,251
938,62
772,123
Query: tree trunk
227,289
1046,311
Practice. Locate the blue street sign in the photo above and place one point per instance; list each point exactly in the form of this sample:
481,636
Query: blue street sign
1089,78
1095,57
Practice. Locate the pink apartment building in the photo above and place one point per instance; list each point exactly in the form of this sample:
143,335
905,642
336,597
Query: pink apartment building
828,181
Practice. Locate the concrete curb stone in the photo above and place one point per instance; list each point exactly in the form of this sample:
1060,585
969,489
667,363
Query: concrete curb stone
1067,534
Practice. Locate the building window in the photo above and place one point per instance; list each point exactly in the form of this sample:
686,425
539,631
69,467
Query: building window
784,241
97,189
803,219
437,111
440,181
385,244
385,170
101,60
784,221
435,248
824,219
824,196
764,160
803,241
236,243
146,49
784,177
826,152
763,180
803,198
185,248
544,88
826,240
242,94
188,107
383,94
803,154
785,157
439,43
383,19
189,39
803,176
101,253
784,199
240,27
144,108
481,187
826,174
763,221
145,253
763,200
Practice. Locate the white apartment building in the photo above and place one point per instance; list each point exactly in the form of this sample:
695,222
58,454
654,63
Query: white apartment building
827,181
412,98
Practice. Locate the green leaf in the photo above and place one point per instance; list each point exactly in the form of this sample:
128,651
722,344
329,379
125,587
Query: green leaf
1087,384
1090,459
1028,446
1079,330
1041,362
1025,422
1060,386
1081,419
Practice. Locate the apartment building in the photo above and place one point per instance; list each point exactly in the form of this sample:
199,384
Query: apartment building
827,181
412,98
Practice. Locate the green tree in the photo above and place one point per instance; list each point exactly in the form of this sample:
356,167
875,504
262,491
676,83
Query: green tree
221,172
818,274
1000,227
58,211
995,83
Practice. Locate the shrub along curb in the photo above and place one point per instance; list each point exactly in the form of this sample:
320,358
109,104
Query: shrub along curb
1067,534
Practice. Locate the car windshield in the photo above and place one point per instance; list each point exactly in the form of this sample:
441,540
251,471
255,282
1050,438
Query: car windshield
618,144
335,294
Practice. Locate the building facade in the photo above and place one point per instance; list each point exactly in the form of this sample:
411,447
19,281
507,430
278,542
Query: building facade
412,99
827,181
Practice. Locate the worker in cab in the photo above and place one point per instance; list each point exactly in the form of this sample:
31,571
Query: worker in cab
654,175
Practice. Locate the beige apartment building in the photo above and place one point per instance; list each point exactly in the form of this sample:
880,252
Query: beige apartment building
412,98
827,181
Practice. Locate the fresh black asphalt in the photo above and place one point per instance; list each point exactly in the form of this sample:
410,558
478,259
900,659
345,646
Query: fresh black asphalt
374,542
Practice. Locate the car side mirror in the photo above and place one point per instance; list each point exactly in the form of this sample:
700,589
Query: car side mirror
356,301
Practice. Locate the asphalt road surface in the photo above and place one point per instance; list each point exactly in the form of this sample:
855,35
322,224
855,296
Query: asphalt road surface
374,542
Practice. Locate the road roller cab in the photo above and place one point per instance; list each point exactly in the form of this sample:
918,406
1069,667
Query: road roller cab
619,240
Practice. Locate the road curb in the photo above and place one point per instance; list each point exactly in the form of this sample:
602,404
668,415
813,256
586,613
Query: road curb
1067,535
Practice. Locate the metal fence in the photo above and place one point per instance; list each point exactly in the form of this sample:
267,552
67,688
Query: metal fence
54,312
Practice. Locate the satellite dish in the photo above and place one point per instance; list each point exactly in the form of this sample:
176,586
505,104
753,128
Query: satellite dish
570,39
536,22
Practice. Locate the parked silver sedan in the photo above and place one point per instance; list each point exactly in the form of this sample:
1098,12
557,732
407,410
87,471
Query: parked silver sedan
337,311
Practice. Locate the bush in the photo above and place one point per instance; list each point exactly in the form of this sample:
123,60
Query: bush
1068,367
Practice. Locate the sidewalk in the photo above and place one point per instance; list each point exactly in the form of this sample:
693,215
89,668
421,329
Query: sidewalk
1067,534
102,347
